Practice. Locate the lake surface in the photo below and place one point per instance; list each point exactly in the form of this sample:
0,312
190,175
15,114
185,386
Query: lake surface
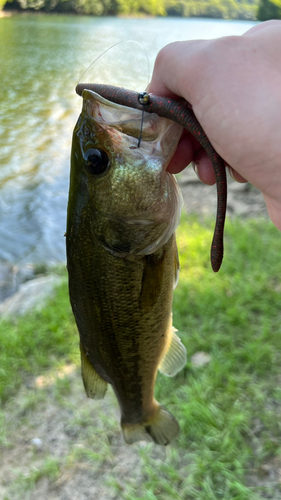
42,59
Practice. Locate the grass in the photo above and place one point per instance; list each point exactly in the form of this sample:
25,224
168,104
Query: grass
38,341
49,469
229,410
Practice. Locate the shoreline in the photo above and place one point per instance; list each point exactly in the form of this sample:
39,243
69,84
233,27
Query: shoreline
10,13
7,13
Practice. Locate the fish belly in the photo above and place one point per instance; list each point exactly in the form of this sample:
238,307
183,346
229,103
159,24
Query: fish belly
123,312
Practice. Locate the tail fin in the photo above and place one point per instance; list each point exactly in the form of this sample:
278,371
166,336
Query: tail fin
162,428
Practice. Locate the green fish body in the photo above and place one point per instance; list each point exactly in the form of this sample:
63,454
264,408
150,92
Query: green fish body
122,260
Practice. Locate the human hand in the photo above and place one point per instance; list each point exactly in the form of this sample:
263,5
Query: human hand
234,87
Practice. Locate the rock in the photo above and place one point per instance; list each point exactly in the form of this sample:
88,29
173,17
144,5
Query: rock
37,443
12,276
31,295
25,273
200,359
8,280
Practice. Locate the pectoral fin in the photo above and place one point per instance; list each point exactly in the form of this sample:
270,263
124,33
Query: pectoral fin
175,358
95,386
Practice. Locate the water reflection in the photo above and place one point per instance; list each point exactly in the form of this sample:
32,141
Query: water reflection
42,58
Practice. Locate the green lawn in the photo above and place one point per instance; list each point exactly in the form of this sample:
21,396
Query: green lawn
229,410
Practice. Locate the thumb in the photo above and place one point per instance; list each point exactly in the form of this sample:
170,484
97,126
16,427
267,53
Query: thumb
177,69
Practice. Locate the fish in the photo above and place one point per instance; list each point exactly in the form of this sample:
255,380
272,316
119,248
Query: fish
122,259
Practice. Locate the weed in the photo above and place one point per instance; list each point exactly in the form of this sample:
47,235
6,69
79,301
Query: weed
36,342
49,469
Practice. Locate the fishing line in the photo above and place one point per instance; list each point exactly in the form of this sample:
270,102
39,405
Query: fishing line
142,94
142,116
143,99
115,45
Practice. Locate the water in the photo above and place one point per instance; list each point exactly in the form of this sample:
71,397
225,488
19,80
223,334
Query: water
42,59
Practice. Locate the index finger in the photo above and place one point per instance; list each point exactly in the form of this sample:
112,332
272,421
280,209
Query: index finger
176,70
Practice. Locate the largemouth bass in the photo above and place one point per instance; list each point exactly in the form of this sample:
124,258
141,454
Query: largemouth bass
122,259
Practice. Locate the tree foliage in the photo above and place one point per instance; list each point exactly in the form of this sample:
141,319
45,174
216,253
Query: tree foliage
222,9
225,9
269,9
152,7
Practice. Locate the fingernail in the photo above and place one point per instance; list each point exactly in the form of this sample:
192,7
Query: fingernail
195,165
231,173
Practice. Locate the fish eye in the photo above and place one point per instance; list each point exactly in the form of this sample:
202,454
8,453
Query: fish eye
96,160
